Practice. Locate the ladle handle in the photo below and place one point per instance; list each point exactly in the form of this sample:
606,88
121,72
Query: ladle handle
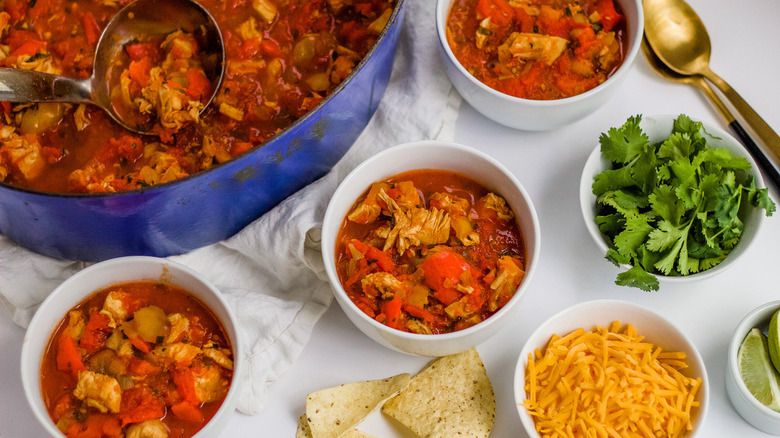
767,135
18,85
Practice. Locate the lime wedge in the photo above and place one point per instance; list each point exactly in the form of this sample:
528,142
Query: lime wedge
774,340
757,371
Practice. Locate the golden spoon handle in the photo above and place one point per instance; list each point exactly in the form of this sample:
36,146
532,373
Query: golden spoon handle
769,171
767,135
702,85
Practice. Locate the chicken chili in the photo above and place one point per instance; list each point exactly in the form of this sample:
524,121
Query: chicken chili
538,49
283,58
138,359
430,251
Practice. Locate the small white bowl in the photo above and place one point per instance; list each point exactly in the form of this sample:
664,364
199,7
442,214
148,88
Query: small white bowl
658,128
537,115
430,155
101,275
587,315
750,409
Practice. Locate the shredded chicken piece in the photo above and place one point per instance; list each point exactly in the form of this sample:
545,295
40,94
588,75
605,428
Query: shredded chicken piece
508,278
23,152
114,307
498,204
248,29
416,326
536,46
266,9
147,429
99,391
179,352
383,284
209,384
221,356
417,226
179,327
76,324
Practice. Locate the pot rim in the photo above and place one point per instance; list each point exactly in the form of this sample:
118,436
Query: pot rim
390,22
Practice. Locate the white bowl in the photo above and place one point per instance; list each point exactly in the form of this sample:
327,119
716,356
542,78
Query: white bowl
430,155
658,128
537,115
750,409
587,315
101,275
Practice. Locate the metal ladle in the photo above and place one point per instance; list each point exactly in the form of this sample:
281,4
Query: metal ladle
736,128
678,37
135,22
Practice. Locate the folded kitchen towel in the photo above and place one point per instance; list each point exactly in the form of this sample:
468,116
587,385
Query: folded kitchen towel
271,272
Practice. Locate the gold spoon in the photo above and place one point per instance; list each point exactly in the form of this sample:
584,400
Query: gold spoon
678,37
698,81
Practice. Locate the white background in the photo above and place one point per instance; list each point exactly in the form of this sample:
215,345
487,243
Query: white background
745,37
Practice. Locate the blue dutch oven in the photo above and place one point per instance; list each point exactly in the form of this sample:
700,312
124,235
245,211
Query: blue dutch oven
212,205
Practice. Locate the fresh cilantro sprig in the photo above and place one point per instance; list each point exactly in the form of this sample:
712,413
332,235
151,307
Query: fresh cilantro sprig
670,208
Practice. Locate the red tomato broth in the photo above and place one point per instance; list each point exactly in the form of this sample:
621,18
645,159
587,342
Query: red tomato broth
429,271
280,66
510,34
156,391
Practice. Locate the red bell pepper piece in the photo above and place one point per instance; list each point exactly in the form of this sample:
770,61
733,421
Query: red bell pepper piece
68,356
91,28
419,312
188,412
442,273
140,404
608,16
392,311
198,85
95,333
499,11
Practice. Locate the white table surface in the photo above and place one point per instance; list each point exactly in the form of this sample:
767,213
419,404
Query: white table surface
745,37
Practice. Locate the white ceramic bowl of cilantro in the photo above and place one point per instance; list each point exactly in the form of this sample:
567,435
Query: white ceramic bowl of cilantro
747,406
658,128
653,327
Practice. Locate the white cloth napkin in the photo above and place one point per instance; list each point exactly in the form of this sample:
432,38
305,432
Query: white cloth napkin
271,272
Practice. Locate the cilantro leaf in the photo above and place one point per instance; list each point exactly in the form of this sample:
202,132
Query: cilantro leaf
624,144
639,278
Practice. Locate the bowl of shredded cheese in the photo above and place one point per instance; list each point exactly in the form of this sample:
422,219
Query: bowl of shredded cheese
611,367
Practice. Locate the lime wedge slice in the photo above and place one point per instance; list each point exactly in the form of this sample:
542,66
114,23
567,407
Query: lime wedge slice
757,371
774,340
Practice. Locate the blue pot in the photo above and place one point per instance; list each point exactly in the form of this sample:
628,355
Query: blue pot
212,205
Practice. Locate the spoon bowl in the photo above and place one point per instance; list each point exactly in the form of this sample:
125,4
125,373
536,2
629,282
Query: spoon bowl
677,35
680,40
138,21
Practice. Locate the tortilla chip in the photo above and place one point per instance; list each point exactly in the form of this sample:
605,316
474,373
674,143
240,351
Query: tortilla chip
303,428
333,411
451,397
305,432
354,433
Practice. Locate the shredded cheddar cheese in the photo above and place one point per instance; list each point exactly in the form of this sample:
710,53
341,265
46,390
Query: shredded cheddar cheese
609,383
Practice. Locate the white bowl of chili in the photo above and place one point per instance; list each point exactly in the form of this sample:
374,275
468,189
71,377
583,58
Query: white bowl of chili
168,322
651,350
491,54
438,300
